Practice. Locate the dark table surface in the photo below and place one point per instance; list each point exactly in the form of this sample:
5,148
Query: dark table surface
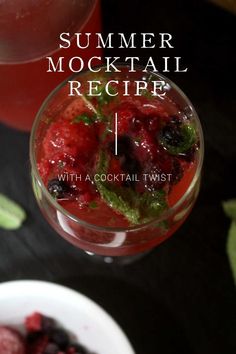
180,299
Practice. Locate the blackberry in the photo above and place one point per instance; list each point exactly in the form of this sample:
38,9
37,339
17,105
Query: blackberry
48,324
59,337
51,348
78,348
172,135
58,189
177,138
131,165
32,337
124,146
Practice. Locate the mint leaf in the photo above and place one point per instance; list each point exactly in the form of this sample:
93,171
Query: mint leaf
117,202
137,208
11,214
93,205
229,207
104,97
111,196
153,204
231,248
84,118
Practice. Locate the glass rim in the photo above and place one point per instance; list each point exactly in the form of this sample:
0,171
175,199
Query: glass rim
53,51
74,218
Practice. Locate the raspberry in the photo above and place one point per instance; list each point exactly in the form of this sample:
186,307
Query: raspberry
33,323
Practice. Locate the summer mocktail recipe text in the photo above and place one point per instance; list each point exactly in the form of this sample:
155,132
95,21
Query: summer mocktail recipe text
133,41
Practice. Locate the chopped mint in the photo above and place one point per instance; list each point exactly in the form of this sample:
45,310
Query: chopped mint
230,208
118,203
138,140
104,98
137,208
112,197
180,139
48,120
153,204
93,205
147,93
231,248
11,214
84,118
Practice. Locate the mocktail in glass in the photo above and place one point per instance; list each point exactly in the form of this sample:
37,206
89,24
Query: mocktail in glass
116,174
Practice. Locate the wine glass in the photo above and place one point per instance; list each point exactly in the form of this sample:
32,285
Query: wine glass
102,230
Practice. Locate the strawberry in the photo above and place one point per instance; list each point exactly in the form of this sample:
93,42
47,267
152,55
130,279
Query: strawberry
72,139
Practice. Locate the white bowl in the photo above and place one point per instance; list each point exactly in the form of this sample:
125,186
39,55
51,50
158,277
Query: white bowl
75,312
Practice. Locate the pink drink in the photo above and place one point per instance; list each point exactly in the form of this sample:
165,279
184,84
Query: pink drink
74,136
28,34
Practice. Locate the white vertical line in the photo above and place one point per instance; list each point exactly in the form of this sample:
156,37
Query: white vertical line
116,133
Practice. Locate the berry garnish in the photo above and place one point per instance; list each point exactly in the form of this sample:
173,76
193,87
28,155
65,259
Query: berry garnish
42,337
33,323
135,207
52,348
76,349
38,346
58,189
124,145
60,337
177,138
48,324
131,165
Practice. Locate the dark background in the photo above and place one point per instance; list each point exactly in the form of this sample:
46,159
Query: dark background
180,299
